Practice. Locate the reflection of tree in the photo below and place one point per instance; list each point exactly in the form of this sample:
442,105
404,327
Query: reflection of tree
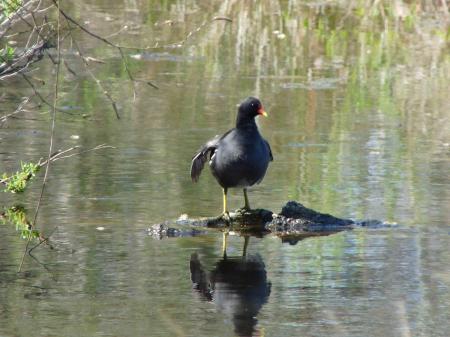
238,286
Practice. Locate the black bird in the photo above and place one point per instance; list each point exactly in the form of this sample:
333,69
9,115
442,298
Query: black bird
240,157
238,286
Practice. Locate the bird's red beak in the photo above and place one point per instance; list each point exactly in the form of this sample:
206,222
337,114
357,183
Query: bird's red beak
262,112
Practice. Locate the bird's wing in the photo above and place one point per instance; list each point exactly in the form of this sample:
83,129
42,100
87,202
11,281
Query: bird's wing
270,150
200,158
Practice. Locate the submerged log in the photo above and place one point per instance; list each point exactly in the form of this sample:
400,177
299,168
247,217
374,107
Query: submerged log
295,222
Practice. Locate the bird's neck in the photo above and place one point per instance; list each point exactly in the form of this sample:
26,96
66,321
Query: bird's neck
246,123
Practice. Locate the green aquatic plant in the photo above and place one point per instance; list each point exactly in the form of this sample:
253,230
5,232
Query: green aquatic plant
17,182
17,215
9,7
7,53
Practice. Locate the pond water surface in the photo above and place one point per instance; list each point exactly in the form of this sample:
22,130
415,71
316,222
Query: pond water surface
359,120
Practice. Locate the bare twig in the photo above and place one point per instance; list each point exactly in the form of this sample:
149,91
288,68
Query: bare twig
18,109
63,154
23,60
36,92
199,28
59,154
22,15
69,69
23,11
120,48
104,40
97,81
43,240
98,147
56,155
52,133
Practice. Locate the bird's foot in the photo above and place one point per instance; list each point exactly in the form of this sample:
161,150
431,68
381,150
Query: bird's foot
225,216
244,210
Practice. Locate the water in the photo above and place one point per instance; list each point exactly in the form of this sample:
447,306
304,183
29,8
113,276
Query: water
358,124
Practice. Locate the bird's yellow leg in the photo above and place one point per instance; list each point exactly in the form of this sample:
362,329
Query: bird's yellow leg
247,239
225,207
224,243
247,204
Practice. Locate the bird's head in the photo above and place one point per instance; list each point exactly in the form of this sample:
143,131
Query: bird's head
249,109
252,107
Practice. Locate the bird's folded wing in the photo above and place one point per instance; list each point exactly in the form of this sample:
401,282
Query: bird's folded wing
270,150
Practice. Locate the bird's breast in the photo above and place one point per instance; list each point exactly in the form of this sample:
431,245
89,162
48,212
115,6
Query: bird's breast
241,163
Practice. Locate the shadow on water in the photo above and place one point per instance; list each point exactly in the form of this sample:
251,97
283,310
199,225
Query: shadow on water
238,286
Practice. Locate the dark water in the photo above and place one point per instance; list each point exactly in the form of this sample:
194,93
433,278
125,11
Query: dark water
359,126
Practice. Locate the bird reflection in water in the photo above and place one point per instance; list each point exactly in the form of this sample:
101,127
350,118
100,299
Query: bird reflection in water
238,286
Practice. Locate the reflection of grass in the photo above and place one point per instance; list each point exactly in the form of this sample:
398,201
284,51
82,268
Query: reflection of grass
387,60
16,215
319,38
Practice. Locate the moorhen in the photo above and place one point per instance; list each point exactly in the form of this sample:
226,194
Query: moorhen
238,158
238,287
